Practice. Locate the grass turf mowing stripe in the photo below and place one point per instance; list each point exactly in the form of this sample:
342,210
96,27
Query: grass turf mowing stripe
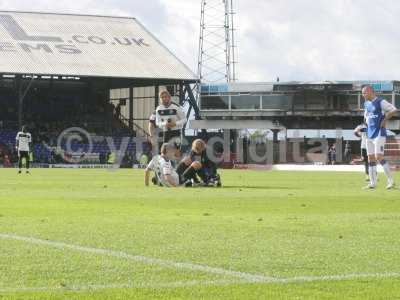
182,284
243,278
139,258
94,287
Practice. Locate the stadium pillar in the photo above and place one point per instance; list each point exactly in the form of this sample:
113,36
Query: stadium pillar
275,132
192,101
276,156
18,80
326,97
181,94
227,146
189,97
157,97
130,108
21,95
393,97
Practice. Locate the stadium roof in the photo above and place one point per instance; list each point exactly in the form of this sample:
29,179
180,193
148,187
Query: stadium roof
84,46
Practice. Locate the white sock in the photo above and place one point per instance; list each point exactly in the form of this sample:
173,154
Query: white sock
375,171
386,168
373,174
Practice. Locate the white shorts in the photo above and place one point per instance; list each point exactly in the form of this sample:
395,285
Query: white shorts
376,145
175,179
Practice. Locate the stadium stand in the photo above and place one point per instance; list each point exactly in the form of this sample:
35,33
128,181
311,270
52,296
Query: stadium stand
100,84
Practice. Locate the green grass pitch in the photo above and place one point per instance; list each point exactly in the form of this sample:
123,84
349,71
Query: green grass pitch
98,234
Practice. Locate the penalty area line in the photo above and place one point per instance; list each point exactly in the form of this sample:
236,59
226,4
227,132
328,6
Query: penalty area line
241,277
139,258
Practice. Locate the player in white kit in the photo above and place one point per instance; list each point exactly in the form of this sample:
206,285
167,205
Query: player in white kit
22,145
165,174
361,132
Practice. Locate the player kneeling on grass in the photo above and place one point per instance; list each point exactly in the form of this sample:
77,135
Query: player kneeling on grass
165,175
198,164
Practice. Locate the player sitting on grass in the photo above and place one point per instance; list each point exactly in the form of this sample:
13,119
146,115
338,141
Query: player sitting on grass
165,175
198,164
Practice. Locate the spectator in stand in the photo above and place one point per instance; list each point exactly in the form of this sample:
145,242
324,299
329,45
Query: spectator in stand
347,152
102,158
118,111
332,155
2,154
7,162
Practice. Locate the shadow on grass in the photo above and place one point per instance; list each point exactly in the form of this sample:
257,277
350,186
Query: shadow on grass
258,187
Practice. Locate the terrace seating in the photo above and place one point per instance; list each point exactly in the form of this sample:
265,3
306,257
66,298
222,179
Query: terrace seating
90,153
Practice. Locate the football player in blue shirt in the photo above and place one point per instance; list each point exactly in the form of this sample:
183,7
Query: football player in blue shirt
377,112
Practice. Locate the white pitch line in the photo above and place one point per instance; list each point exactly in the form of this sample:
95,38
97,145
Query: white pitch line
343,277
141,259
244,278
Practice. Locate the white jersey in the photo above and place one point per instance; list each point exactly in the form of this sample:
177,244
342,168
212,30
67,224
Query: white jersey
23,139
162,167
173,112
363,129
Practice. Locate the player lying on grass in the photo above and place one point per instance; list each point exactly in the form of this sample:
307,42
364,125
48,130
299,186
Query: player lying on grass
165,175
196,164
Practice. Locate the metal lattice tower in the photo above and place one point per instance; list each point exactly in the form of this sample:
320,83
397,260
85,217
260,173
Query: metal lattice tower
216,62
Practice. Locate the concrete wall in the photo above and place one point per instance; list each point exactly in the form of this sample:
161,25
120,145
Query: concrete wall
144,99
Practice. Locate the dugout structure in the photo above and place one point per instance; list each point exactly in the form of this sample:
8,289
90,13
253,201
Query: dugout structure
305,105
84,57
278,107
283,106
